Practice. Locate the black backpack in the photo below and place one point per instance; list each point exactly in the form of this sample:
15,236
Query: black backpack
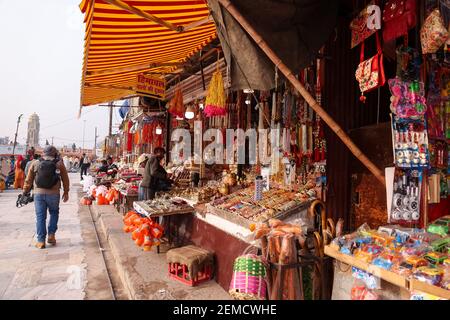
47,176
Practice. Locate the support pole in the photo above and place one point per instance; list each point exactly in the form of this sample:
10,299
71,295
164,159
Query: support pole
95,143
301,89
17,131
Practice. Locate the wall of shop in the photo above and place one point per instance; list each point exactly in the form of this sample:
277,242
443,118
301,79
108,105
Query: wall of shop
340,97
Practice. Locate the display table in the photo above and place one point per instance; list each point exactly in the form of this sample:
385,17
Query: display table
403,284
172,233
126,201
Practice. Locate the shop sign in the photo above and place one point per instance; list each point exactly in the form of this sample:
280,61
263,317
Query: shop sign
152,86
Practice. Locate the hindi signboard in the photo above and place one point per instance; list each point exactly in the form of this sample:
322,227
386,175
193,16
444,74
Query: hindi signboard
151,86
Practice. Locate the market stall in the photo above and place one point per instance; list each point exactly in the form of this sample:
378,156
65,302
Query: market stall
268,199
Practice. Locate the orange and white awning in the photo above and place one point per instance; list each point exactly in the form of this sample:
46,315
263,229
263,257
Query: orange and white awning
127,37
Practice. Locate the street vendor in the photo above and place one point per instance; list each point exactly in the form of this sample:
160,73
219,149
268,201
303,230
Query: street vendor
112,167
103,167
155,176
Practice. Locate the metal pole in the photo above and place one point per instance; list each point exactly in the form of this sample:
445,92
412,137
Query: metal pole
301,89
95,142
84,128
17,131
110,119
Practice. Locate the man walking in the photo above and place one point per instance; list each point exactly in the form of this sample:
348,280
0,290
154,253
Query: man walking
85,163
46,175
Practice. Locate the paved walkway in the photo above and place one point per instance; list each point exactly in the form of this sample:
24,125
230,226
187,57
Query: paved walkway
29,273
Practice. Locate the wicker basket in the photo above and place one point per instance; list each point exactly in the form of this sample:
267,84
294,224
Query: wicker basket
249,278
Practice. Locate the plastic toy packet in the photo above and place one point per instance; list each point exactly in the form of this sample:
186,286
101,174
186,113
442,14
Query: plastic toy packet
428,275
372,282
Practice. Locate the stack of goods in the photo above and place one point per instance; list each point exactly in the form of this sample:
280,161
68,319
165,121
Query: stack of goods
412,253
144,231
127,174
439,129
127,188
279,245
101,195
163,206
195,195
273,203
409,137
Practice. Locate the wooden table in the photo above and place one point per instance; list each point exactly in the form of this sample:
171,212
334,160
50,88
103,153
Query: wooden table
143,209
386,275
126,201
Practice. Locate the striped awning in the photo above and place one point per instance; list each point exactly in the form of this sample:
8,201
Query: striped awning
120,44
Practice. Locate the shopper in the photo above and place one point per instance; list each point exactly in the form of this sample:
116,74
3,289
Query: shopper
45,176
155,177
19,177
85,163
143,159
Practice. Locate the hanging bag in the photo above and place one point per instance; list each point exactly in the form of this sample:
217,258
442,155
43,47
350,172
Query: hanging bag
360,31
434,33
370,73
399,16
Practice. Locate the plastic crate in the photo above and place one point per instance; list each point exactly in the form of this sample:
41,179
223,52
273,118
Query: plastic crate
180,272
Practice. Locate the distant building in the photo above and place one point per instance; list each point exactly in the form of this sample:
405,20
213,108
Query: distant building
33,131
4,140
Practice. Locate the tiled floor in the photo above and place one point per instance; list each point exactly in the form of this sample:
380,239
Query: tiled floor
29,273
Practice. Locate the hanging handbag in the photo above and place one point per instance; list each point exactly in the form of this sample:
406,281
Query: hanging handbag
370,73
399,16
433,33
360,31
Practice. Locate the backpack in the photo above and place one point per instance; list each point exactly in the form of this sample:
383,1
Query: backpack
47,176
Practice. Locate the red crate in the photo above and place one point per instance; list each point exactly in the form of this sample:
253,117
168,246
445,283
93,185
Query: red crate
180,272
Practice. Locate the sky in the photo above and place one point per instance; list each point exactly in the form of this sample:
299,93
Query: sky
41,53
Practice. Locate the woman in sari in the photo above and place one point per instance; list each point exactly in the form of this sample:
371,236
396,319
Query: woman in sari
19,174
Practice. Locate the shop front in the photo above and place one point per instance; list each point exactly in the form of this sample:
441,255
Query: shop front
328,175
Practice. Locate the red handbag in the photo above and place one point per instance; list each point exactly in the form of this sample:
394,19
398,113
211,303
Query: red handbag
370,73
399,16
360,32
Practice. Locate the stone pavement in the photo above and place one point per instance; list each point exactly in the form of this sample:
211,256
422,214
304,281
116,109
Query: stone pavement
26,272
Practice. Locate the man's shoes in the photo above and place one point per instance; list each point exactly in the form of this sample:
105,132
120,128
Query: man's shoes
40,245
51,239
